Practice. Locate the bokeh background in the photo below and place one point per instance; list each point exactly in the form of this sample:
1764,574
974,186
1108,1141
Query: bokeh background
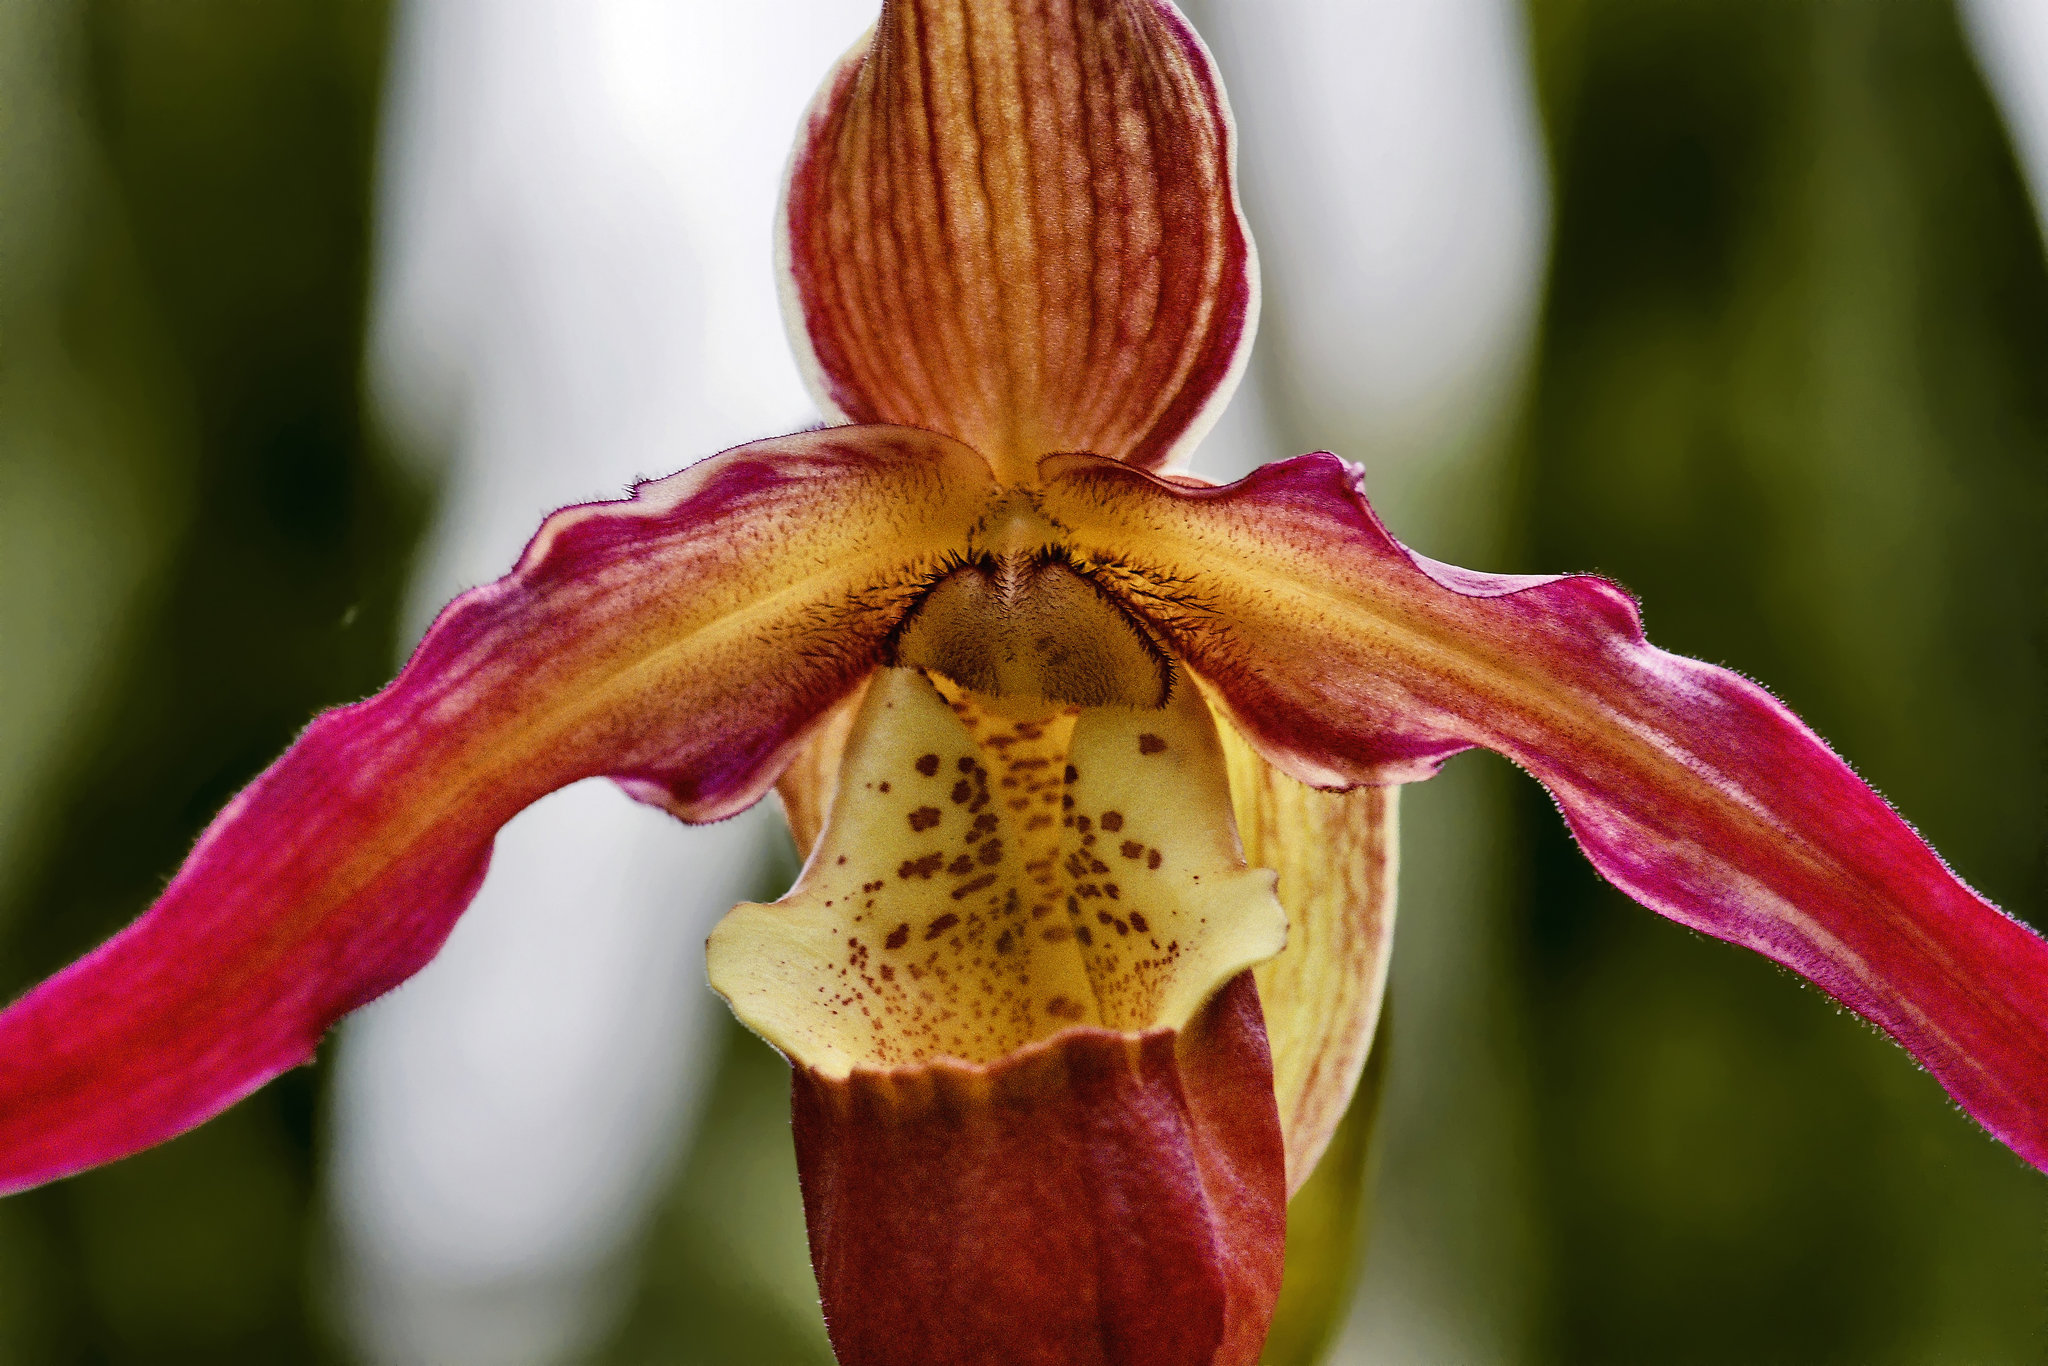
309,311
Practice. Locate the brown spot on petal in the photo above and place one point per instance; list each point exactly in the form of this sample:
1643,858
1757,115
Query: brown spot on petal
967,889
928,765
1149,743
924,818
921,867
898,937
1112,820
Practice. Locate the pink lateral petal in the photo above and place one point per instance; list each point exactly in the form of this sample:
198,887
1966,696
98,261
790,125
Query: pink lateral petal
682,640
1347,658
1016,222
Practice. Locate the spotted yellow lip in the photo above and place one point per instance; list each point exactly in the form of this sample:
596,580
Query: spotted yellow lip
986,881
1095,765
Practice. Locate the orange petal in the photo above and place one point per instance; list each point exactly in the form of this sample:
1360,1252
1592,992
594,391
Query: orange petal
681,641
1336,854
1014,222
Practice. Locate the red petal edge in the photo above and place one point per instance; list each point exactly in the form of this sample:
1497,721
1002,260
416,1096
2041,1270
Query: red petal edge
1348,658
1096,1199
681,640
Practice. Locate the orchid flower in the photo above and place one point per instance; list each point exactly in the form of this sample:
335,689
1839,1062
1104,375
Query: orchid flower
1095,764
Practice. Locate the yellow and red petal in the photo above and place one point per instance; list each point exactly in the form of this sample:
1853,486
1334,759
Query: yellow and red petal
1346,659
681,641
1034,1111
1326,1218
1337,855
805,787
1014,222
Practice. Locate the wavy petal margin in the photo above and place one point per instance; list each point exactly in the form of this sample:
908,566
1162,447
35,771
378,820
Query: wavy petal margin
681,641
1015,222
1347,658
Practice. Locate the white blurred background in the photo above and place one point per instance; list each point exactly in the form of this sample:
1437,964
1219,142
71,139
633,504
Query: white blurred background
573,292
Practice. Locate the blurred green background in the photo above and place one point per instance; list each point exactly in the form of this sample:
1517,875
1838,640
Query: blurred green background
1790,385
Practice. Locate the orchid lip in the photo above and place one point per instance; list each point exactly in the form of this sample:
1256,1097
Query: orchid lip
1011,982
952,1205
991,874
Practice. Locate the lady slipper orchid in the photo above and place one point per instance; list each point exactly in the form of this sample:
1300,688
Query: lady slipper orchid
1095,764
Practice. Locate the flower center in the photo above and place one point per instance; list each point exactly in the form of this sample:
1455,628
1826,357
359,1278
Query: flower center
989,875
1017,621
